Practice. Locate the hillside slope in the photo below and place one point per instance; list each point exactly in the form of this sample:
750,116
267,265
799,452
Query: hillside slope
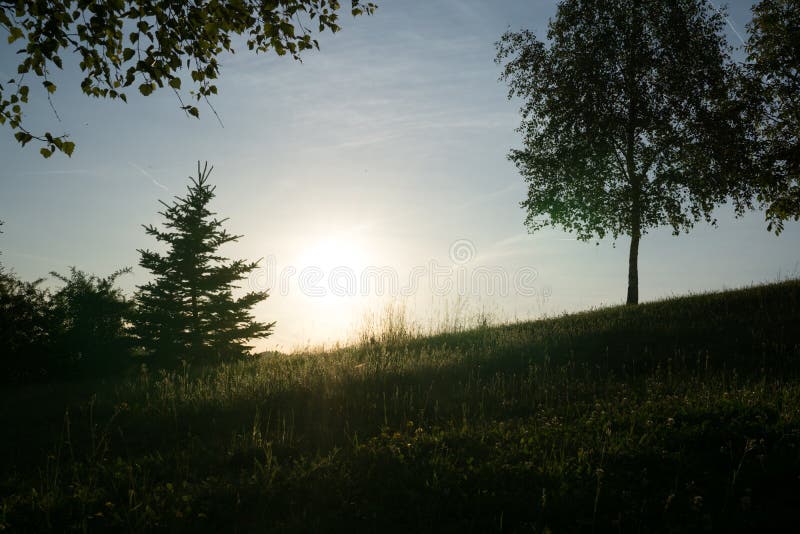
676,415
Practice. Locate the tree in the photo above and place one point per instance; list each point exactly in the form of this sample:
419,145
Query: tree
629,120
24,329
148,43
773,61
23,326
81,327
188,311
89,319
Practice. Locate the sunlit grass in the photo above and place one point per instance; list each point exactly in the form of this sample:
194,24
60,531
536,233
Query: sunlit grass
681,414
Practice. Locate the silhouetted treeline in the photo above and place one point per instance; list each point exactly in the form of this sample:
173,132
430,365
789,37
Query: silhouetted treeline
77,330
186,313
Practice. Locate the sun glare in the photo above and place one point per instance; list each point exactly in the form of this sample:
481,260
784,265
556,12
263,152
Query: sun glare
331,252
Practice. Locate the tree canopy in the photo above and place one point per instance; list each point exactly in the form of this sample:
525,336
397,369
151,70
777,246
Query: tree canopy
629,120
149,45
774,59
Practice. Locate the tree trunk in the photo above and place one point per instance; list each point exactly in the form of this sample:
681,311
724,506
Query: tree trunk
195,326
636,228
636,179
636,235
633,269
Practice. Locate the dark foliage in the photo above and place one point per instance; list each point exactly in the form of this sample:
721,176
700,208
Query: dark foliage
78,330
774,59
89,317
24,330
629,119
147,44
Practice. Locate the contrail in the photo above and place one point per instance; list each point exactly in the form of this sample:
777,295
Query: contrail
144,172
730,24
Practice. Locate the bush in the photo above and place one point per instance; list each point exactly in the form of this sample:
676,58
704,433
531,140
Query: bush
89,323
78,330
24,328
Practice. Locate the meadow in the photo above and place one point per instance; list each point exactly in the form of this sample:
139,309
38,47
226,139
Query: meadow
677,415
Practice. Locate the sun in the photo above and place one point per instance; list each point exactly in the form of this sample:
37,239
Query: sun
334,251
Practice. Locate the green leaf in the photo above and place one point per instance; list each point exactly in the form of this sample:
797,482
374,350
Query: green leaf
287,29
14,33
45,152
146,89
23,137
175,83
68,147
50,86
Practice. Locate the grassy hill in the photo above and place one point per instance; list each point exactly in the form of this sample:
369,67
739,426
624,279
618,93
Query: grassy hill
676,415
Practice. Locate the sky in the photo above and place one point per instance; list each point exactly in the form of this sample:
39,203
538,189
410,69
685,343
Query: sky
372,174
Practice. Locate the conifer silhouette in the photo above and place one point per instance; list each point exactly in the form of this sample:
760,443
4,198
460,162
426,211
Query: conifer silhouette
188,310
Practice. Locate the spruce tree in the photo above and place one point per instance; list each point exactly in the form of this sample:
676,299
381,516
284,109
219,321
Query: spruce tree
188,311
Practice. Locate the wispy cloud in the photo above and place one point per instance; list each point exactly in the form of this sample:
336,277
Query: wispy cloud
471,12
508,247
486,197
516,245
148,175
45,259
384,92
59,172
514,240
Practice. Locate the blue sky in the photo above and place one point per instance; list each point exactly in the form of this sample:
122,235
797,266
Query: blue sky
382,149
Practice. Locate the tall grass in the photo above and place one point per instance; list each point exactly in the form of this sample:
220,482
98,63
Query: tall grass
676,415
